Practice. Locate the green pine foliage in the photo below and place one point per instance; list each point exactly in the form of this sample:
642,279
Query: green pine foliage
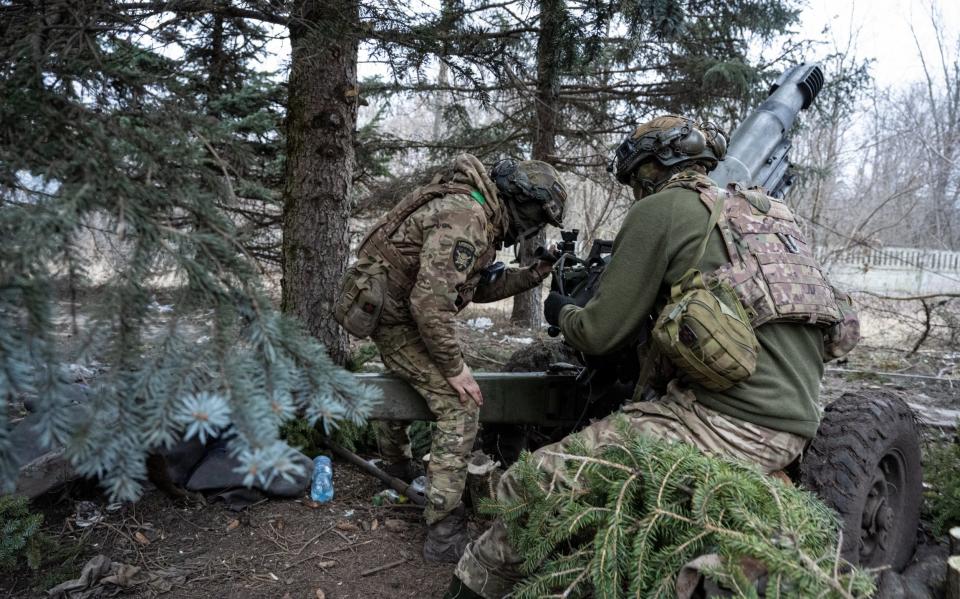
421,438
618,63
116,129
942,495
21,540
362,355
309,440
638,511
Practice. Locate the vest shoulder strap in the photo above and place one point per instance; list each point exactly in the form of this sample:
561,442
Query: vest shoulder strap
378,238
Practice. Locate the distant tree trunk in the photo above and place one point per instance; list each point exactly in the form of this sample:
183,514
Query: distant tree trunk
443,97
218,61
527,307
321,119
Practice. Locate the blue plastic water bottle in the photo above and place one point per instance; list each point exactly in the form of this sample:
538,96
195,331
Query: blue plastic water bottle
321,490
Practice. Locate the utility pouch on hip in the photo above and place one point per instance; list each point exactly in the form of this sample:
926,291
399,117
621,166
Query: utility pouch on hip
704,330
361,297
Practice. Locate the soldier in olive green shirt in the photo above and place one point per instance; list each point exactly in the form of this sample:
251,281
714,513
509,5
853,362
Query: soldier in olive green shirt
766,419
654,248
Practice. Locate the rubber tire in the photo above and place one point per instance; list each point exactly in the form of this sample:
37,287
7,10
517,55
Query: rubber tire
842,463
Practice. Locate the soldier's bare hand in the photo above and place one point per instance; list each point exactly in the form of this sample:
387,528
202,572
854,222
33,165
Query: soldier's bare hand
465,385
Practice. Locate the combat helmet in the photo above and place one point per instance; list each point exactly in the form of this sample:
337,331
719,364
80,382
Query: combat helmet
532,193
670,140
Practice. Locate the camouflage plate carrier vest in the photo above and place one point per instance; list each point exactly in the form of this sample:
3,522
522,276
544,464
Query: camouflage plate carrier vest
403,269
771,268
382,271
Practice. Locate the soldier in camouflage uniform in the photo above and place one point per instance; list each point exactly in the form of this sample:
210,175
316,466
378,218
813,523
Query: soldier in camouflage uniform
766,419
440,243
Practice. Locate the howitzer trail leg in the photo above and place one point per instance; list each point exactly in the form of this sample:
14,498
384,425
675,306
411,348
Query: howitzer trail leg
490,565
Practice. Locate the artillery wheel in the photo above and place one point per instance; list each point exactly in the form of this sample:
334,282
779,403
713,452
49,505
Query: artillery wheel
865,464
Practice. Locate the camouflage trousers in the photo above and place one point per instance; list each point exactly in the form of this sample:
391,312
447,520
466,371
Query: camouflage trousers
404,354
490,564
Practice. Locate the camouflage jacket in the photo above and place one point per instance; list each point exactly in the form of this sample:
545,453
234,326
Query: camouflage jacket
447,245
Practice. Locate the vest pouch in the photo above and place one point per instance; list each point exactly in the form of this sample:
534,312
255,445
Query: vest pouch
841,337
362,296
706,334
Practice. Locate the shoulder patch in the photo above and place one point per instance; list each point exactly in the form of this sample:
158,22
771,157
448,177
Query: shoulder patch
464,255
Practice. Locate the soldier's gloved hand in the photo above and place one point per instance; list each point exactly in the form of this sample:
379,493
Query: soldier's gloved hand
466,386
552,305
546,257
548,254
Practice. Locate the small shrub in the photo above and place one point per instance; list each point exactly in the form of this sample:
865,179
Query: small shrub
361,356
309,439
21,540
942,495
421,437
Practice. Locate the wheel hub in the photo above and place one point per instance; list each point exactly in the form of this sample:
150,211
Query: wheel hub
878,522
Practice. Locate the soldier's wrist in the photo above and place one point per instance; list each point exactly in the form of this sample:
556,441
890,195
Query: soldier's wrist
540,271
451,369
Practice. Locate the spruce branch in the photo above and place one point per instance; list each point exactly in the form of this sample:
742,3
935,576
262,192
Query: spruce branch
624,519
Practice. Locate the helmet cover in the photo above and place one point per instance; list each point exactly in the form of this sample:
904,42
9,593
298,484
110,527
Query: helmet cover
533,193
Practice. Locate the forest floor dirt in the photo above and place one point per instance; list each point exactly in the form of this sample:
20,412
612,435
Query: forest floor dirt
350,548
275,549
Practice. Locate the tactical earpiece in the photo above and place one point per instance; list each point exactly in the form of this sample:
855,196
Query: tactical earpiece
682,142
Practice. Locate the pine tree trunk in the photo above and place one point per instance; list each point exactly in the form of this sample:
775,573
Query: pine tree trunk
527,307
321,119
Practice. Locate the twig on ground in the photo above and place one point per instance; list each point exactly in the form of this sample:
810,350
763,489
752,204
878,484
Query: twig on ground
343,536
300,561
383,567
351,547
132,541
314,538
191,523
274,541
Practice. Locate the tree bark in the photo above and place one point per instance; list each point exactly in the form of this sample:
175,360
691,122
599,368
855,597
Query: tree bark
321,120
527,307
953,577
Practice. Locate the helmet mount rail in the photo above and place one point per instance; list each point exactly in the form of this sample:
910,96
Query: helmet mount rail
669,140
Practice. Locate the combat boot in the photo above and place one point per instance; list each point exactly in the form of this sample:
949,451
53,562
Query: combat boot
447,538
459,590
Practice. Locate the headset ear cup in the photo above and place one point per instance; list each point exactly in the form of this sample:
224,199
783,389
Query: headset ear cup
503,167
502,175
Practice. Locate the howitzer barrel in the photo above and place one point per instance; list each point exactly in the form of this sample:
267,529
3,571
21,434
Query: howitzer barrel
757,154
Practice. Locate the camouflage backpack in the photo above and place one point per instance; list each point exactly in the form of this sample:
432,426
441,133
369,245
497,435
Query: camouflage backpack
771,267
